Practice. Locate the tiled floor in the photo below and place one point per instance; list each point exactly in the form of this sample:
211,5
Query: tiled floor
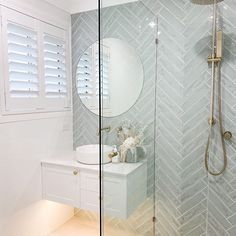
86,223
80,227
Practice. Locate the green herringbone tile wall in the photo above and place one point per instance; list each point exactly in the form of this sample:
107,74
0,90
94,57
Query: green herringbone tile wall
188,201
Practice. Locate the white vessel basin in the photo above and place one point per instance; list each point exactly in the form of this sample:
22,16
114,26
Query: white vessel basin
89,154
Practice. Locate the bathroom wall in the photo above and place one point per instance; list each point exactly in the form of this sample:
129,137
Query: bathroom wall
25,140
75,6
40,9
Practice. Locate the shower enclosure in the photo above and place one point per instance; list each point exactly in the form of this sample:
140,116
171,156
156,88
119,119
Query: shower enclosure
164,100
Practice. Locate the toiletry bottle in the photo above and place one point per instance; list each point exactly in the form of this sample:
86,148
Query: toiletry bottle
116,157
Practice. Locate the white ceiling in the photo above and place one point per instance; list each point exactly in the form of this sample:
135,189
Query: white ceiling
74,6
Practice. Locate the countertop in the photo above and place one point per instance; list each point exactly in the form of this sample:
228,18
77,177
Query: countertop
123,169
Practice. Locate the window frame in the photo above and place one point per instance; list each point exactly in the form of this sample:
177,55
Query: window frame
40,104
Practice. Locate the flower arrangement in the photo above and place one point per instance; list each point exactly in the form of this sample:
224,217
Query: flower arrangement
131,136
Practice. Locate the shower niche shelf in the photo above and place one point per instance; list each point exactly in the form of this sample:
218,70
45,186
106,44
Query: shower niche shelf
77,185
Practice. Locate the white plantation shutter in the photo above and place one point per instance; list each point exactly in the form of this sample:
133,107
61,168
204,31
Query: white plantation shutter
88,77
55,67
21,62
105,59
84,76
22,59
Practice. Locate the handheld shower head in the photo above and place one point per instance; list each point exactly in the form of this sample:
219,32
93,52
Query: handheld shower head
206,2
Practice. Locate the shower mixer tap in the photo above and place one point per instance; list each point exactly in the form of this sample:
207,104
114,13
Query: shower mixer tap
217,55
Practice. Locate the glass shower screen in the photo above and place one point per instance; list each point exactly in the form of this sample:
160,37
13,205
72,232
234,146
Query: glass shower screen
127,89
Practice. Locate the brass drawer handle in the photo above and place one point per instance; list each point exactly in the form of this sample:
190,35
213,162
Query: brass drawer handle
75,172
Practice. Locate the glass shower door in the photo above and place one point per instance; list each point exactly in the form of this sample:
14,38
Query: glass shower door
128,98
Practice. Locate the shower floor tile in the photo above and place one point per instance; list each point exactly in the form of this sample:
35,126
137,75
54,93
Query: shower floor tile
80,227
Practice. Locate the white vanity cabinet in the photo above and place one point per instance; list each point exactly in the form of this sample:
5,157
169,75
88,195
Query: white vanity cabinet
124,186
61,184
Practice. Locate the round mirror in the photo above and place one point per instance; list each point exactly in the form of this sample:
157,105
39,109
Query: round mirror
122,77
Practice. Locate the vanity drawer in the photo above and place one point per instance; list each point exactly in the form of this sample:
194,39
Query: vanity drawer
89,200
115,202
114,189
89,181
89,191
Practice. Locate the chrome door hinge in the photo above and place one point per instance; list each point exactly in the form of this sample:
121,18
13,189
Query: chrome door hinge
157,40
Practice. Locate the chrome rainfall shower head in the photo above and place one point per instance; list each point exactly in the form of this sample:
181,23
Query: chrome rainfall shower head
206,2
